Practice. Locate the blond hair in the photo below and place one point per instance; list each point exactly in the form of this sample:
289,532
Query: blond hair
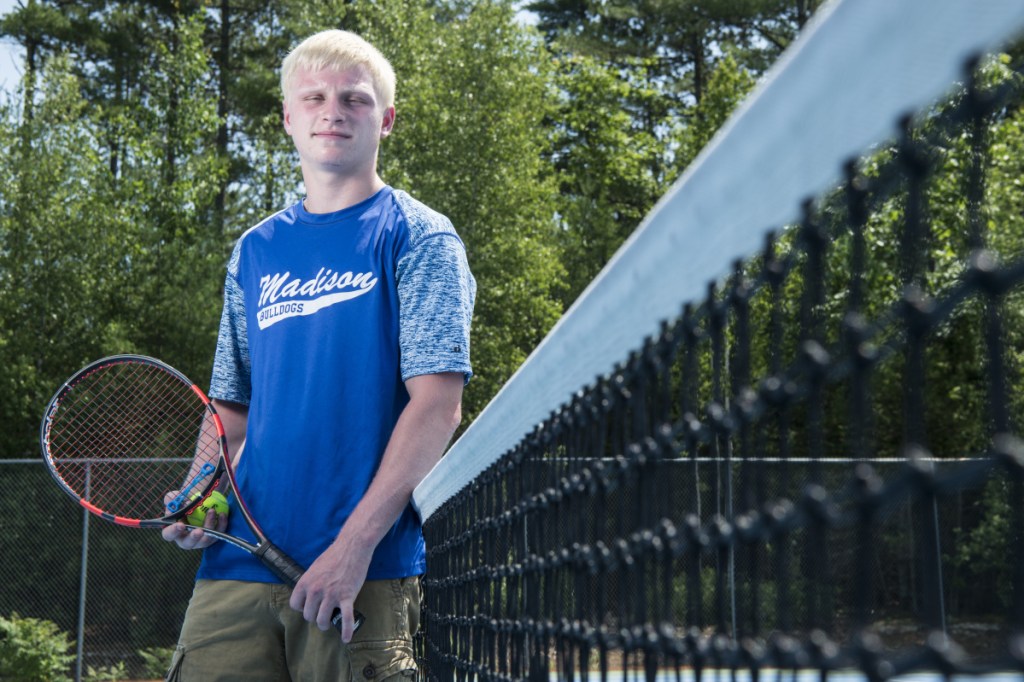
338,50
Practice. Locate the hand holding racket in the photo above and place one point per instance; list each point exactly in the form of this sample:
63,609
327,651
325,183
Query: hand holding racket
124,431
188,533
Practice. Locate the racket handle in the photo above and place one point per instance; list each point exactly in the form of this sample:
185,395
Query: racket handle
337,621
285,568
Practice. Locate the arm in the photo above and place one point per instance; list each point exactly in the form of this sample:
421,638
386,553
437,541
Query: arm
233,417
419,439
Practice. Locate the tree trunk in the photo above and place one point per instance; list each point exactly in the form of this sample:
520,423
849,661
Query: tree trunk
224,71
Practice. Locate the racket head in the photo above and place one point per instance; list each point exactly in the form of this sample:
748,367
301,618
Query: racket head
124,431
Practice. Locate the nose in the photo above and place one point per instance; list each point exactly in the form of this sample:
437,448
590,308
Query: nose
334,110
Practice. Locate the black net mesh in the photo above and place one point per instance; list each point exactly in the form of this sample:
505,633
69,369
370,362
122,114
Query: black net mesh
815,467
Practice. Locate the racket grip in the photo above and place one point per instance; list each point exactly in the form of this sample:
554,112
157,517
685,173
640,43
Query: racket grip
337,621
285,568
282,565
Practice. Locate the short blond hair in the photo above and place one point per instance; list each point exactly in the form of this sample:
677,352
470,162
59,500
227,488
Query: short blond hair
338,50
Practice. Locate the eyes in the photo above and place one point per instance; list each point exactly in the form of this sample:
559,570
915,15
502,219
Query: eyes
353,100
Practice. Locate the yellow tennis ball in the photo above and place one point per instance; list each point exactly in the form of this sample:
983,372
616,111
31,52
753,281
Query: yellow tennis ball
216,501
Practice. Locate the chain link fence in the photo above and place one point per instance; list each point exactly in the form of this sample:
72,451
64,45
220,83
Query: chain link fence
120,593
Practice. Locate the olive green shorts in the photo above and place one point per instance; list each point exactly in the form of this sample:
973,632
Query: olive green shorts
246,631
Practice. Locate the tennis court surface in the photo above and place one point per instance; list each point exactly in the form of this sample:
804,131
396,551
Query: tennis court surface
773,675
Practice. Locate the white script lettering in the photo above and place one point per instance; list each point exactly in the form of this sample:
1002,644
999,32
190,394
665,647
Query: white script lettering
325,289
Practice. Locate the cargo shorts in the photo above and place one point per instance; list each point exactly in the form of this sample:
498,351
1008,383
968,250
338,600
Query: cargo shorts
237,631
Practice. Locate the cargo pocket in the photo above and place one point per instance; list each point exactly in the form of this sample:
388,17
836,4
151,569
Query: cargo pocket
174,671
381,661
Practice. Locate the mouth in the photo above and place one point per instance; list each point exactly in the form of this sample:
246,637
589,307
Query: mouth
332,134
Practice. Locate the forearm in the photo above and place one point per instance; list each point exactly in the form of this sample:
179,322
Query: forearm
417,442
420,437
234,417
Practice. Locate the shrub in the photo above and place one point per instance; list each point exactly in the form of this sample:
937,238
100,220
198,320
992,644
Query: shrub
157,660
110,673
33,650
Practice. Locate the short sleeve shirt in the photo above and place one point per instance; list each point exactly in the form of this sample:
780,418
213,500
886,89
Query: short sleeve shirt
325,316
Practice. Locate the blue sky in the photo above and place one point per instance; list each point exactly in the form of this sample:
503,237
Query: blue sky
10,56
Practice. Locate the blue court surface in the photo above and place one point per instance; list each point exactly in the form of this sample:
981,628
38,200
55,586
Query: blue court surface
772,675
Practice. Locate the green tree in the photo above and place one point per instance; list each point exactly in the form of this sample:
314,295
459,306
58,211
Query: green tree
53,288
644,86
609,171
152,116
727,86
684,38
95,261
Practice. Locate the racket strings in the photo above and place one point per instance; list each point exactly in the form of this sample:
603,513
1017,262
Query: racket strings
125,434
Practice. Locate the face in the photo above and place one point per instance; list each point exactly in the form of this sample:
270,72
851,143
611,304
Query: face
336,120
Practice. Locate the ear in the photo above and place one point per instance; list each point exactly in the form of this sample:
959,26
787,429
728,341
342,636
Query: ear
388,122
286,116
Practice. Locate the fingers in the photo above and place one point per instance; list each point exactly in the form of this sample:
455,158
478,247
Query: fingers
347,621
195,537
324,612
309,603
174,532
298,599
328,589
187,536
215,521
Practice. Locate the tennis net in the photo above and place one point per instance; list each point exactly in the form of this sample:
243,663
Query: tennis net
801,456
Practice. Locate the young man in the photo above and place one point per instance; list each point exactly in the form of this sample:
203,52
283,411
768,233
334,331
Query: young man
343,351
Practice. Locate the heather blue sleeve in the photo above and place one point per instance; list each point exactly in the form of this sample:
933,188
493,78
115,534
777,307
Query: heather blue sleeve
436,292
231,368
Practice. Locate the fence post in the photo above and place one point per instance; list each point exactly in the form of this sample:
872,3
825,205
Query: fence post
84,572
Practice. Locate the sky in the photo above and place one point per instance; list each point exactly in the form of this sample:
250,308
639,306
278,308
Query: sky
10,55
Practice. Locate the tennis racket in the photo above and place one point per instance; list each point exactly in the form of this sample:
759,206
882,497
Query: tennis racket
125,431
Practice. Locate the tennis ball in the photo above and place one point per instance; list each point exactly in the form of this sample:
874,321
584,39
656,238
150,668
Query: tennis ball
216,501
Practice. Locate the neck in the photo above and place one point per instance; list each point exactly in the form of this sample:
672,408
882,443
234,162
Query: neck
326,195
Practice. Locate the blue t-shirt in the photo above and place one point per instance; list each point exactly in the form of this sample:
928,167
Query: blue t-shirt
325,316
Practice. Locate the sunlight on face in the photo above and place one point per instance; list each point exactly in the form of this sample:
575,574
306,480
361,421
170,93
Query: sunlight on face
336,120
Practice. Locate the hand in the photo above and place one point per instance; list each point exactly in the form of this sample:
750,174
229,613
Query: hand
193,537
332,582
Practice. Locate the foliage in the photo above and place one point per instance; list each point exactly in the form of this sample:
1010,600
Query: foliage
728,84
50,258
157,660
644,86
33,650
93,259
109,673
687,37
49,537
982,553
610,172
176,133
